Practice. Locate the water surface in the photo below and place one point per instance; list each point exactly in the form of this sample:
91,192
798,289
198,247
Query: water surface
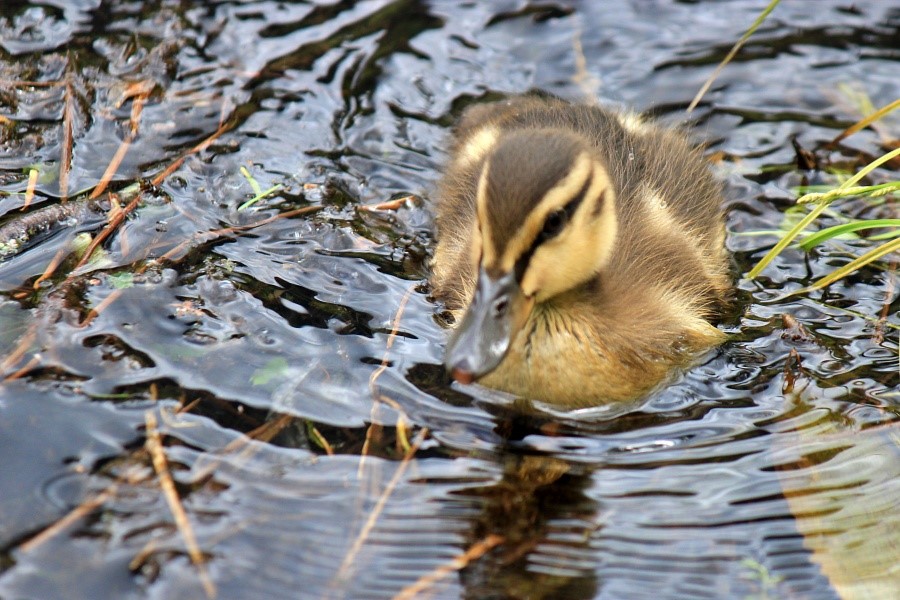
277,356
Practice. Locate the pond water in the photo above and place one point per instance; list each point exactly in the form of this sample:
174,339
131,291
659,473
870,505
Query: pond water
290,366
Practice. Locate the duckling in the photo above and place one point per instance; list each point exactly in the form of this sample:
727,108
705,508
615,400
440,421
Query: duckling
581,251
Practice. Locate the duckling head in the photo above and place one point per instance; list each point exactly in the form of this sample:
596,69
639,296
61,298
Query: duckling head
545,224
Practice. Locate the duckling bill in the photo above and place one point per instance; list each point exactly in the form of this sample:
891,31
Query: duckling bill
582,251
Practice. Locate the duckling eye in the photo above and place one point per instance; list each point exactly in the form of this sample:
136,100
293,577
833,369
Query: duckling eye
554,223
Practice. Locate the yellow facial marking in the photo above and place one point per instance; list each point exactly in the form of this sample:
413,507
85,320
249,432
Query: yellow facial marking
581,250
483,226
478,145
557,197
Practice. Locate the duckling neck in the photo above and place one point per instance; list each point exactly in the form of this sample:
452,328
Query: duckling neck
598,343
575,359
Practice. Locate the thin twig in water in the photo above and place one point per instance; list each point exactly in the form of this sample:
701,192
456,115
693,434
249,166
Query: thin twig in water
347,563
395,204
731,54
94,312
29,190
373,428
51,267
65,158
320,440
198,148
167,485
207,236
35,361
131,476
21,349
865,122
170,255
114,222
475,552
136,110
80,511
264,433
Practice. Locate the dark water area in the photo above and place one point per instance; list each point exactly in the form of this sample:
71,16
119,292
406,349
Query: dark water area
290,364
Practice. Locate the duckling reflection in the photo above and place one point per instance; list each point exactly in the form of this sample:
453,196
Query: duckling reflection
539,498
581,250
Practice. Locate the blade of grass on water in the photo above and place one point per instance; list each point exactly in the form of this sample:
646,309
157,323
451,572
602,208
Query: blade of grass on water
259,196
838,230
786,240
831,194
865,259
865,122
731,54
815,212
868,169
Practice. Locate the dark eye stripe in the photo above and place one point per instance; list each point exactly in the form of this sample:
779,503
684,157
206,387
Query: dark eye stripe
598,208
569,211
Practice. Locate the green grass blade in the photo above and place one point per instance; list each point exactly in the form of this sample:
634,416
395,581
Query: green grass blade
882,189
884,236
254,185
259,196
832,232
786,240
823,201
869,168
853,265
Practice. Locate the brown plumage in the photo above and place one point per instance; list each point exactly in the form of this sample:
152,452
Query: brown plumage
583,250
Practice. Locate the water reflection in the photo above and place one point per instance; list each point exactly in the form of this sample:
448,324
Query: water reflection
546,522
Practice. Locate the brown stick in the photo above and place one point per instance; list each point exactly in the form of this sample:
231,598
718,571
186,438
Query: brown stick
115,220
373,428
347,563
51,267
21,348
475,552
198,148
95,312
65,157
29,190
388,205
167,485
116,161
82,510
864,122
216,233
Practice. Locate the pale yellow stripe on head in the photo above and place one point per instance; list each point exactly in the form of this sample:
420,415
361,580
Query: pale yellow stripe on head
582,249
482,224
477,146
557,197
